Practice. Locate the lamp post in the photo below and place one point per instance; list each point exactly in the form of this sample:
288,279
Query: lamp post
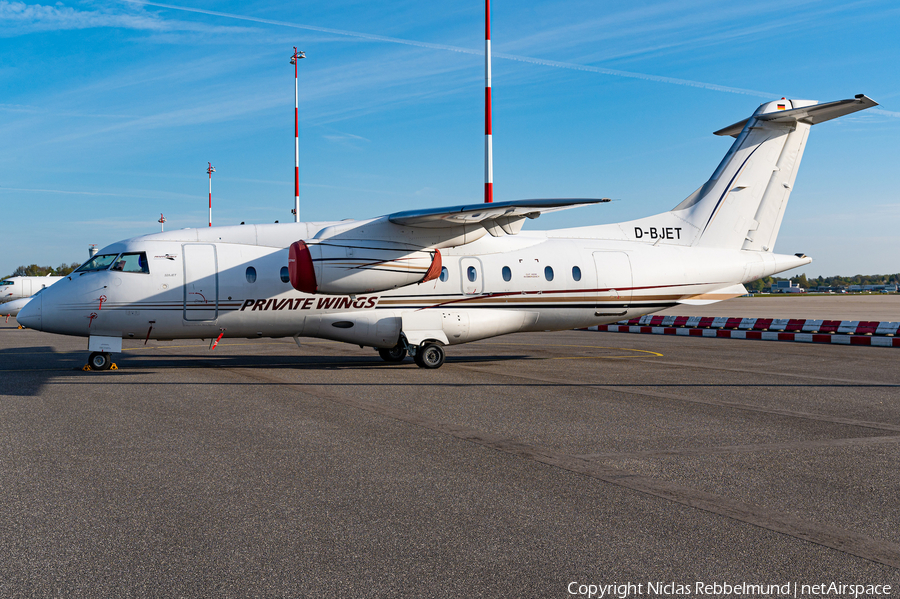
162,219
295,59
210,171
488,145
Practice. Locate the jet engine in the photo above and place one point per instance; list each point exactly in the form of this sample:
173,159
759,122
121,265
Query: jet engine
356,267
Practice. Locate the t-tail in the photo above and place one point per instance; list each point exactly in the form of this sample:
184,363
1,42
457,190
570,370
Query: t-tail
743,203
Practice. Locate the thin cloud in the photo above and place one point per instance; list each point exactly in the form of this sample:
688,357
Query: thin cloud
21,108
118,225
375,89
527,59
449,48
144,194
632,75
233,104
673,25
345,137
18,18
64,191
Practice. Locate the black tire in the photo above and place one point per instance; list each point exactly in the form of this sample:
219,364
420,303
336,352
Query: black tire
395,355
100,361
430,355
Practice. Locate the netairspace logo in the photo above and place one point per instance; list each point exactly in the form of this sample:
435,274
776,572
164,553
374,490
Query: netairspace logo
617,590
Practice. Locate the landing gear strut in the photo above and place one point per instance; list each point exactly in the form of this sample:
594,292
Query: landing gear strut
395,355
429,355
100,361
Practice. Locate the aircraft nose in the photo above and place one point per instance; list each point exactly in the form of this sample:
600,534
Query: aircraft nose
30,315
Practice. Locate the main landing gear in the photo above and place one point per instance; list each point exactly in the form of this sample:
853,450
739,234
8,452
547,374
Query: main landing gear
100,361
427,355
395,355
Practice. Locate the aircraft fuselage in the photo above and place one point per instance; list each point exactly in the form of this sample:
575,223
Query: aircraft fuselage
203,284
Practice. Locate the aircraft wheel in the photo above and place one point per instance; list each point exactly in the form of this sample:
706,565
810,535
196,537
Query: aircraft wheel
100,361
395,354
430,355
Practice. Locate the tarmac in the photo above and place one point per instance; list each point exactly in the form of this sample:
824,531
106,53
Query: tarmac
523,465
880,307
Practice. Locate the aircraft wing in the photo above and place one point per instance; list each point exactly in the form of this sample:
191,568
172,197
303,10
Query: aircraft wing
497,217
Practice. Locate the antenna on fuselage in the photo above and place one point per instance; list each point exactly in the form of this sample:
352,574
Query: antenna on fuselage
488,146
295,59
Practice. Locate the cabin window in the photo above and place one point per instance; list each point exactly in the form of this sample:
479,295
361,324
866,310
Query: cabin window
548,273
507,274
132,262
285,275
471,273
576,273
444,274
98,262
251,274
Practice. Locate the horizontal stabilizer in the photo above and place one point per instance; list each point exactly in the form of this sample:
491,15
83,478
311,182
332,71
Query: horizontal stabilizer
811,115
497,217
820,113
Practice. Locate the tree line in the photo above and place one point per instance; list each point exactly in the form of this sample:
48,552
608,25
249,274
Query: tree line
835,281
34,270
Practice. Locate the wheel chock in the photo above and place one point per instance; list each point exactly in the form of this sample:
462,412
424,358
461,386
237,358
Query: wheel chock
21,327
87,367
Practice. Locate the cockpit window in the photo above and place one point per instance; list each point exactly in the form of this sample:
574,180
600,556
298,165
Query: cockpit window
132,262
98,262
7,282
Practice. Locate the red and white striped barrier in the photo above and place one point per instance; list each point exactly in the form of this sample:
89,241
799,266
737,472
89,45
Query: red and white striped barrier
844,332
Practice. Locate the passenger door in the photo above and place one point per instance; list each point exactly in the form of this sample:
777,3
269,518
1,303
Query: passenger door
614,283
201,283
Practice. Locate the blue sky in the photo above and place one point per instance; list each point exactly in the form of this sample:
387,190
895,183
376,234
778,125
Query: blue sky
110,111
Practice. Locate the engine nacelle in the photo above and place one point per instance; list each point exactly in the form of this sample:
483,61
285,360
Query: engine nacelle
356,267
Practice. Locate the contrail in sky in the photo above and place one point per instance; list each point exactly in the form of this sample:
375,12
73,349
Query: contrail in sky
528,59
617,73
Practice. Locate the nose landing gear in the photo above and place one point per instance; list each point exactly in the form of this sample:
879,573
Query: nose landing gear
100,361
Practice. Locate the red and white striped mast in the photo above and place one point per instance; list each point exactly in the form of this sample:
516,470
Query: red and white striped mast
294,60
210,171
488,146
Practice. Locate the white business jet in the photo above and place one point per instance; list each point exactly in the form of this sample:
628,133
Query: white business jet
11,309
415,282
15,288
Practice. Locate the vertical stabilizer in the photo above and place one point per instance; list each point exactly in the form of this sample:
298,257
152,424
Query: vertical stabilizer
743,203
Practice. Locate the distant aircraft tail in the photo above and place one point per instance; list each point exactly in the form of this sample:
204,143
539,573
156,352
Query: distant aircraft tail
743,203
